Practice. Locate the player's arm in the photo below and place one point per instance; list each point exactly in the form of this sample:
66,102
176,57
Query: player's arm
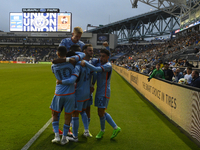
94,61
52,68
79,56
73,78
94,78
71,60
68,81
62,43
98,69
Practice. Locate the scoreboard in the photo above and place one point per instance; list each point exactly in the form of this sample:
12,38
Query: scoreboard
41,20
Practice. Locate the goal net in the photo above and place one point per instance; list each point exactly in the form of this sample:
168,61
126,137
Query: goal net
26,59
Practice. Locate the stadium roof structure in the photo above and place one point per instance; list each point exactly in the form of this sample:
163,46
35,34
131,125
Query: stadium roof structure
169,6
151,24
117,56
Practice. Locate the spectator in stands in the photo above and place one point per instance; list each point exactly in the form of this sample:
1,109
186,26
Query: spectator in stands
161,64
157,73
195,79
178,75
180,63
173,63
168,72
151,70
129,67
188,76
187,64
196,50
144,69
136,69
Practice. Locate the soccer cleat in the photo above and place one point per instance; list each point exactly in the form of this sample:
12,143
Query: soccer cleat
60,132
70,133
100,135
90,135
115,132
64,141
87,134
74,139
56,139
70,129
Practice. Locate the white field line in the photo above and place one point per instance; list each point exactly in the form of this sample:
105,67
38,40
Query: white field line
32,140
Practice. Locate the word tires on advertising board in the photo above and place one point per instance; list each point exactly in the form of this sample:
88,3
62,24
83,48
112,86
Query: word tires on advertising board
180,104
102,38
40,22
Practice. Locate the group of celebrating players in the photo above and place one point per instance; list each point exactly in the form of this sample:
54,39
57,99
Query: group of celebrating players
76,73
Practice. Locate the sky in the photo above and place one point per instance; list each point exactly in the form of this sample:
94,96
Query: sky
94,12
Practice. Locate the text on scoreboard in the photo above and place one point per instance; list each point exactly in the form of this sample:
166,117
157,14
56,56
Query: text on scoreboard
40,22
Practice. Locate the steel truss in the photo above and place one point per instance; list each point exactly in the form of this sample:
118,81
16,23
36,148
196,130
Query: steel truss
148,25
170,6
157,27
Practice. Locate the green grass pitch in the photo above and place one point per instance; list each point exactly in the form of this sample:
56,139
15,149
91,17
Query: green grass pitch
26,91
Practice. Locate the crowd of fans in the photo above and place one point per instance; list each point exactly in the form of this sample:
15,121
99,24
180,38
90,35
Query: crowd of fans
38,53
30,40
148,59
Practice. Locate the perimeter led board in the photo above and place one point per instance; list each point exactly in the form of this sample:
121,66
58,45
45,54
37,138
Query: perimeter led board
41,22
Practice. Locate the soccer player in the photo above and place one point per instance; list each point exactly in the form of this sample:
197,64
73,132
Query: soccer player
104,71
64,96
82,95
72,60
75,39
88,50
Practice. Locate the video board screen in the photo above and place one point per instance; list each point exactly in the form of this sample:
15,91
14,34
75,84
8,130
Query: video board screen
41,22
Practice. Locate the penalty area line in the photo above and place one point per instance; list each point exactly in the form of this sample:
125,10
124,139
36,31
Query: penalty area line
32,140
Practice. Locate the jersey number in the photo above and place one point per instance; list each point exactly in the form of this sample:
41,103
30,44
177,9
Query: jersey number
66,73
87,76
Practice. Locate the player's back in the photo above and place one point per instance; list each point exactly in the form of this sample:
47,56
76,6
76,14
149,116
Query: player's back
63,71
67,42
83,84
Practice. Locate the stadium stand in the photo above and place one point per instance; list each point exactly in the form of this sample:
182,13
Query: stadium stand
139,55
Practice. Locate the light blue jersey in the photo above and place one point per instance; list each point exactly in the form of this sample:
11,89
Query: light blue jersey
104,72
79,56
63,71
82,77
67,42
82,83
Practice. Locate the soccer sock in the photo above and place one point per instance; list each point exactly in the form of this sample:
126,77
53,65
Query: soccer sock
71,122
55,125
102,123
110,120
65,129
85,120
59,116
75,126
88,121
